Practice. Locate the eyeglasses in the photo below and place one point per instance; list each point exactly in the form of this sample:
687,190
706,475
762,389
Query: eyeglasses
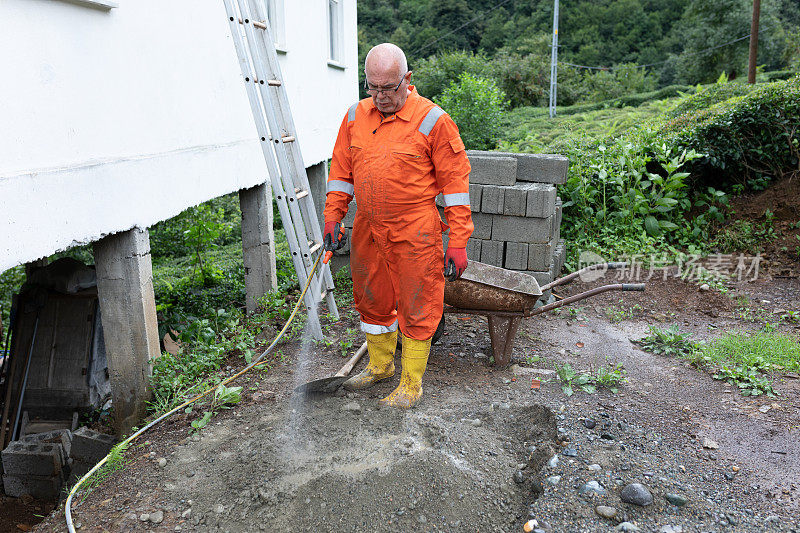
374,91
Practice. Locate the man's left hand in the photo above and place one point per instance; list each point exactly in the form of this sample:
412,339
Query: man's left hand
455,263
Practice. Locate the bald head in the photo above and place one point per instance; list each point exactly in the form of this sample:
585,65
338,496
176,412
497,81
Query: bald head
386,57
388,77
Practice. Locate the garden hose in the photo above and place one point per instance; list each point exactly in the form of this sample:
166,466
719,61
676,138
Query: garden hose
253,364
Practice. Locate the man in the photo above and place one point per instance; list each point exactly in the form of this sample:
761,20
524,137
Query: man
395,152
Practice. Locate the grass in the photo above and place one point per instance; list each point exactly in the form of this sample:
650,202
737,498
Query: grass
745,360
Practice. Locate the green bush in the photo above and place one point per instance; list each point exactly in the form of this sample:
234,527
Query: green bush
749,139
621,80
477,106
434,75
710,95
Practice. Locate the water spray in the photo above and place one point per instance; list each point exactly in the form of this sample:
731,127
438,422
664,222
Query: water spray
256,362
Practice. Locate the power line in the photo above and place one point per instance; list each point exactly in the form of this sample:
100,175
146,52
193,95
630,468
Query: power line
482,15
660,62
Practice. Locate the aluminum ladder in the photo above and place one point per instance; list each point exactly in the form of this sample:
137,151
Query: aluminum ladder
258,60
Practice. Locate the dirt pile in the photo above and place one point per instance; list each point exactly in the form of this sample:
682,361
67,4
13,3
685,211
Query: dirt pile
333,464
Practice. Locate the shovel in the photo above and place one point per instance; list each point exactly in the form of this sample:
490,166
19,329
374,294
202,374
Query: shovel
331,383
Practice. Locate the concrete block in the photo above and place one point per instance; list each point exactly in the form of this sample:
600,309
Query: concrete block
32,459
540,256
522,229
541,200
542,278
541,168
40,487
258,244
559,209
492,168
90,446
483,226
515,202
474,249
493,199
559,256
62,437
492,252
78,469
516,256
475,196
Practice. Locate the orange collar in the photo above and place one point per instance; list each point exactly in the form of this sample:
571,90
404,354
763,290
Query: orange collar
407,111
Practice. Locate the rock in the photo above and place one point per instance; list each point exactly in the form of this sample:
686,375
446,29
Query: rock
605,511
671,529
595,467
764,408
570,452
772,519
636,494
675,499
219,508
144,517
589,423
519,476
553,462
709,444
187,514
157,517
592,487
162,462
477,422
553,480
704,287
627,526
353,407
730,476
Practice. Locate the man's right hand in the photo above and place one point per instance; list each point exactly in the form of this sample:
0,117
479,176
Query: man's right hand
333,237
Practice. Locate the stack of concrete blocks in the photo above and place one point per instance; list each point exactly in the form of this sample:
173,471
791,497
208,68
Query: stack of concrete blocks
516,212
88,448
36,464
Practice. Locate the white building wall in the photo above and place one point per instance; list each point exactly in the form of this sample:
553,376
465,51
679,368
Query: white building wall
122,118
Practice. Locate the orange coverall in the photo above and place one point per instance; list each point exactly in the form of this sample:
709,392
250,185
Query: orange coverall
395,166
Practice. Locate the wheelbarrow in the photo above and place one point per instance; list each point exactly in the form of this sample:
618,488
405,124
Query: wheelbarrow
505,297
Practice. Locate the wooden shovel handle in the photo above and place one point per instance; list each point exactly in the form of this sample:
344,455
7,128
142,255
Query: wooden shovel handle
353,361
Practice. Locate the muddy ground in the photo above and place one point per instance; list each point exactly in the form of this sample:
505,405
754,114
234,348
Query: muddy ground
477,453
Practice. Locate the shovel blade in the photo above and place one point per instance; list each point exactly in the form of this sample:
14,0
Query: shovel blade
327,385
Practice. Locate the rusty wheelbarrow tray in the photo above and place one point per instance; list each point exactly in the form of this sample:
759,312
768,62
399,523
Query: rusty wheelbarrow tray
505,297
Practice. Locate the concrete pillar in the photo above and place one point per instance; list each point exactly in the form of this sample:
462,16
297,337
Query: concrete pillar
130,328
258,243
318,185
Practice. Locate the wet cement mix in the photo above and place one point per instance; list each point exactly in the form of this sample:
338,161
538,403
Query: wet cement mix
489,449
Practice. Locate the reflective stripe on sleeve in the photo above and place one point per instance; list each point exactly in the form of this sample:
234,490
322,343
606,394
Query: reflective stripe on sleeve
351,113
375,329
430,120
343,186
458,198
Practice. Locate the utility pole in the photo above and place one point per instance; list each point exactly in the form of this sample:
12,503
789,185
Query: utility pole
751,71
554,62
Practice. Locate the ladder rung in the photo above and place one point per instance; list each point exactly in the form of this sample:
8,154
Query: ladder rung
257,24
288,139
274,83
313,246
300,193
323,294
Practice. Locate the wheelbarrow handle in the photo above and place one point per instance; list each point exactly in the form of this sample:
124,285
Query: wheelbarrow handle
571,277
633,287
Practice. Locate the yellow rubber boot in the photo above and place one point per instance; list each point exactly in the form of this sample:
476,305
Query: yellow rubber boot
381,349
415,359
